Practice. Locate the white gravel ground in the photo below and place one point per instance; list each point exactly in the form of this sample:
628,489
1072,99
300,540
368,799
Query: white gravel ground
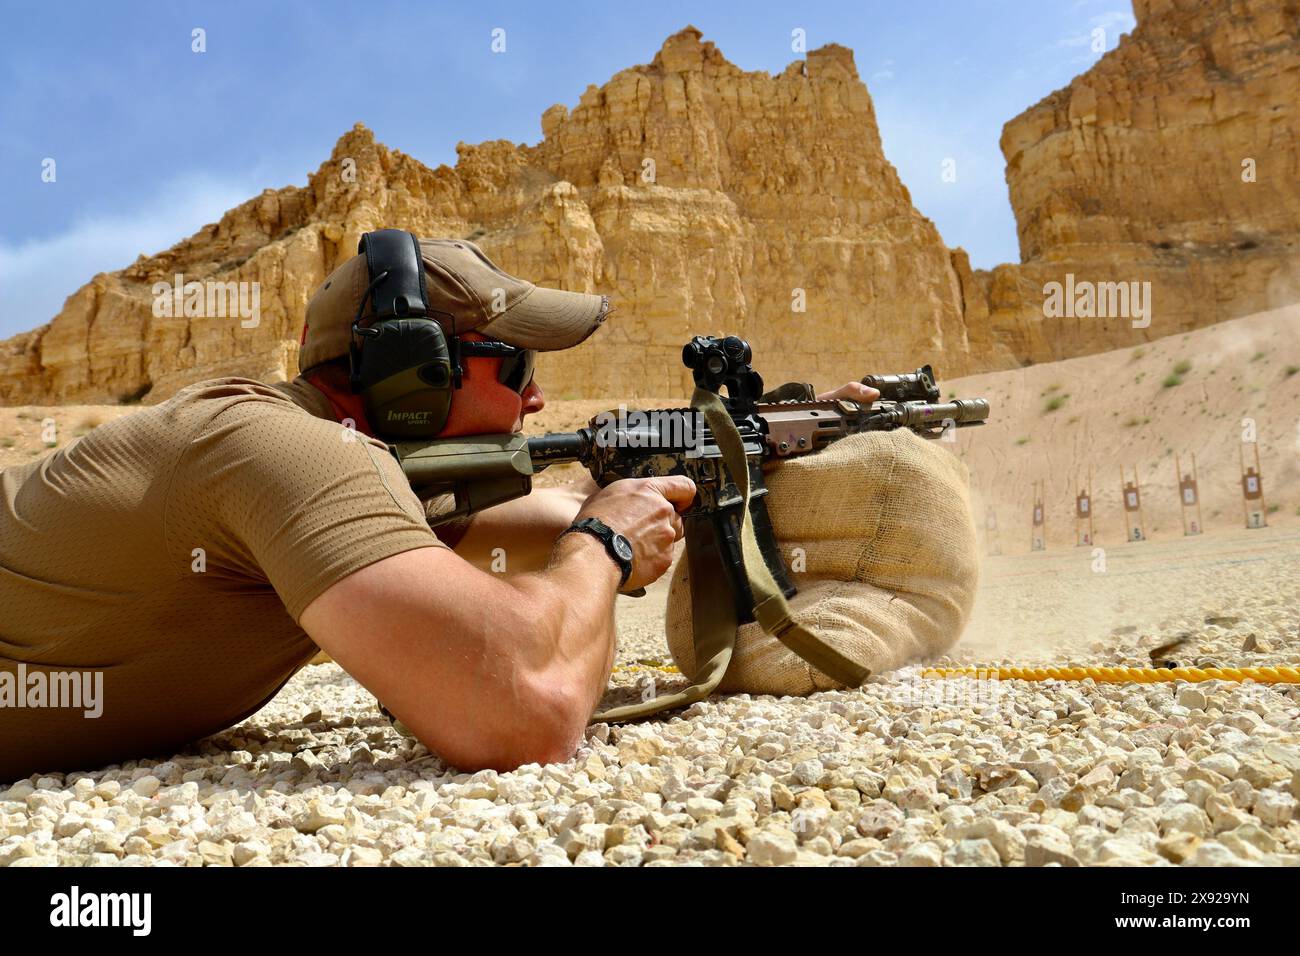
900,772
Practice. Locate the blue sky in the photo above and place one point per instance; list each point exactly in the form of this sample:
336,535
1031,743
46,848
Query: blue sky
151,140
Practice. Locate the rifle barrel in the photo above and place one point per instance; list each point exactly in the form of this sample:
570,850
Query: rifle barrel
961,411
557,448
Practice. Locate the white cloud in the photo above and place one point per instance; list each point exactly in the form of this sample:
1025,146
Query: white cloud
37,275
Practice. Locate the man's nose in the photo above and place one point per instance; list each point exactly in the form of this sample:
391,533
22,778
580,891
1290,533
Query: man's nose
533,399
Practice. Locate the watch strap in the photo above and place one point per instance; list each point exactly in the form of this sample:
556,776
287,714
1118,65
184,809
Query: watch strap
598,529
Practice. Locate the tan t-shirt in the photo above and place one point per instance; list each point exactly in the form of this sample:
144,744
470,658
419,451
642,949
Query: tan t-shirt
172,552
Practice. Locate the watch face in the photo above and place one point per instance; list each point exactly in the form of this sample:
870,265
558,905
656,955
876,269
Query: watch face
622,547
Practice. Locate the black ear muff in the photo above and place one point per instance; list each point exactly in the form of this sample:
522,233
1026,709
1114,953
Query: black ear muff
404,377
402,364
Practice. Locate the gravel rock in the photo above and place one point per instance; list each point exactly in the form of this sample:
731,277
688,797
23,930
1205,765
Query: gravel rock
1046,844
1185,818
972,853
771,849
1191,698
1178,847
1215,854
146,786
1274,807
923,854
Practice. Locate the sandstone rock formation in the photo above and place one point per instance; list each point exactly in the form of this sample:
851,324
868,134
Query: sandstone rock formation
700,197
1173,161
704,198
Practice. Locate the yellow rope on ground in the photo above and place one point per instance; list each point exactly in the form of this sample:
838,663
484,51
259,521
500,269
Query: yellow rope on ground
666,668
1102,675
1123,675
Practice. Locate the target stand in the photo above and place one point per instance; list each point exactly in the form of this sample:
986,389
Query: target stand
1038,533
1189,497
1252,491
1084,535
1135,528
992,545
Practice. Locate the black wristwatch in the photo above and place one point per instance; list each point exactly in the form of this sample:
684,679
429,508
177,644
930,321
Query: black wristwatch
619,548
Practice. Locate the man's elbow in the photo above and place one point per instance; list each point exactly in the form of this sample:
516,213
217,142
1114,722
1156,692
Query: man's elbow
550,728
546,727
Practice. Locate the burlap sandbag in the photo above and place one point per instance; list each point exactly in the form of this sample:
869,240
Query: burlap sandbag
883,521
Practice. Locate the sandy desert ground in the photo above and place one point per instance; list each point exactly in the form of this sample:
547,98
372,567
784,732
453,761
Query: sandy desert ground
904,771
1141,407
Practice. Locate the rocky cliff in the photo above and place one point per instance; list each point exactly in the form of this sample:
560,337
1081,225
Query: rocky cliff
699,196
705,198
1173,161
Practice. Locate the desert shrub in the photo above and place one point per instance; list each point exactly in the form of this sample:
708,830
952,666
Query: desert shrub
89,422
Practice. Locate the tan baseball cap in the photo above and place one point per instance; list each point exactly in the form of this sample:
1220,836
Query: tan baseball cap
465,284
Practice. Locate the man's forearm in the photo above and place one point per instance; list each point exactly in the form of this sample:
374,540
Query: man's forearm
517,536
575,635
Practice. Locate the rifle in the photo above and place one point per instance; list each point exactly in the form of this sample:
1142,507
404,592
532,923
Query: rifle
721,444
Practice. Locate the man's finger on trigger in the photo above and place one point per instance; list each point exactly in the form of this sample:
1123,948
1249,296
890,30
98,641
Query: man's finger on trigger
678,489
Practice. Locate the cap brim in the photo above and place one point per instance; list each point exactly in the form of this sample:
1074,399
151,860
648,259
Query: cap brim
549,320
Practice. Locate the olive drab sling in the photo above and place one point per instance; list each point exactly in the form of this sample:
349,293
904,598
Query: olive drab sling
713,614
